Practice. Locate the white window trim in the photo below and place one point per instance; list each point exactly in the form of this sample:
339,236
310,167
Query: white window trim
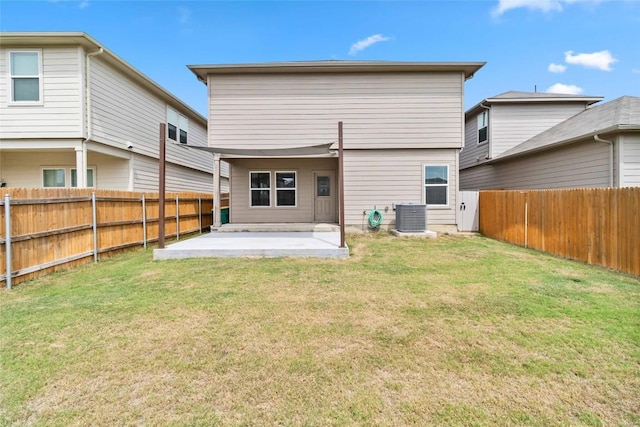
295,189
93,169
270,191
424,190
486,113
13,103
179,118
54,168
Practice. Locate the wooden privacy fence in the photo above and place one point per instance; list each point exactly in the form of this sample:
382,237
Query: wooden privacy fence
599,226
46,229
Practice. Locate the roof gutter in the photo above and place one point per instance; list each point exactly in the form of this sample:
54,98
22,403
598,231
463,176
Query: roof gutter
606,141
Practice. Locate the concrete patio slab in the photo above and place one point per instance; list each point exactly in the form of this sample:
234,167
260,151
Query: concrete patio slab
257,244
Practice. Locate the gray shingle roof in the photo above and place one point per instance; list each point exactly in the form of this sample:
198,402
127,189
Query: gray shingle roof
620,114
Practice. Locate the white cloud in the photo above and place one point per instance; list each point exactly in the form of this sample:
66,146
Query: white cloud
565,89
557,68
82,4
365,43
184,15
541,5
635,70
600,60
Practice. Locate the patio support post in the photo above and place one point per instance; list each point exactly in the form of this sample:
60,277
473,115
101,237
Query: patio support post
161,187
341,183
217,220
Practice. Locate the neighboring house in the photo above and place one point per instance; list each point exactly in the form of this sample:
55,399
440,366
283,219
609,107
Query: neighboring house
593,146
403,129
69,105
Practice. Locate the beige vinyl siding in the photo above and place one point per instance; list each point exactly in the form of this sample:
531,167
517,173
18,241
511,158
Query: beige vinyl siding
123,111
511,124
482,177
473,153
178,178
378,110
241,212
60,115
630,176
584,164
111,172
379,178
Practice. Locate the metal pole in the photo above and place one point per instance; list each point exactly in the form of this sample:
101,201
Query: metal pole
144,222
95,227
161,187
7,241
341,183
177,219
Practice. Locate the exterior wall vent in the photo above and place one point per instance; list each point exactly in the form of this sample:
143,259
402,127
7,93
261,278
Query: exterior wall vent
411,217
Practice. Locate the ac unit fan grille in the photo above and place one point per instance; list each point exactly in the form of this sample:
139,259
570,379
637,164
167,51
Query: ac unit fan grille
411,217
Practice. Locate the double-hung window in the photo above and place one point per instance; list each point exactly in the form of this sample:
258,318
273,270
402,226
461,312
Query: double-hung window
436,185
177,126
260,183
53,177
286,188
483,126
26,77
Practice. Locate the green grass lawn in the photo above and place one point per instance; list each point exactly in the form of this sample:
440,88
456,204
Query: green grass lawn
454,331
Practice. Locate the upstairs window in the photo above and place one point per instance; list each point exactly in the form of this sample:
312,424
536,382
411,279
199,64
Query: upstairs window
483,126
26,76
436,185
177,126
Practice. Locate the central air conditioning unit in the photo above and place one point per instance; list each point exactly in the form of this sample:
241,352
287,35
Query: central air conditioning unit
411,217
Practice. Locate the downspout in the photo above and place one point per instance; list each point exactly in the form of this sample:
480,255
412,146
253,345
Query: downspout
598,139
89,127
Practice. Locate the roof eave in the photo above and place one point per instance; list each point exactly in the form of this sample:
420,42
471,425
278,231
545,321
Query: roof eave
588,100
202,71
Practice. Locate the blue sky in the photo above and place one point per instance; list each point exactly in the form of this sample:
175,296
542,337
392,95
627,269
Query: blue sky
590,47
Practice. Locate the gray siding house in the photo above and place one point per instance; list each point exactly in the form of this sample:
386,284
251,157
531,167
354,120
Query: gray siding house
403,130
597,146
69,105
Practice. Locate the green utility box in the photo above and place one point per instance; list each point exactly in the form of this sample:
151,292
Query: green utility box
224,215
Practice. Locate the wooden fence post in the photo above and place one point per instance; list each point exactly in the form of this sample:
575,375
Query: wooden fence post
95,226
177,219
7,241
144,222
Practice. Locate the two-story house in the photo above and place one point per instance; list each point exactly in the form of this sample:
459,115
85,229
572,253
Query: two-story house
403,129
74,114
521,140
